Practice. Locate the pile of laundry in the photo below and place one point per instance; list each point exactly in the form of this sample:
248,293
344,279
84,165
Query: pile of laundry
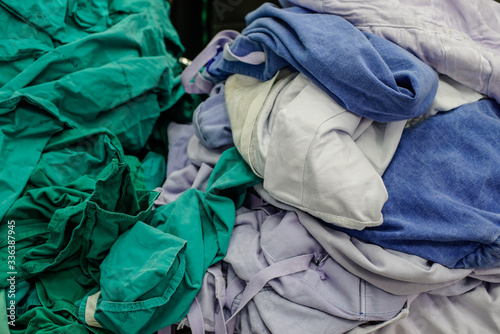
340,175
376,130
87,90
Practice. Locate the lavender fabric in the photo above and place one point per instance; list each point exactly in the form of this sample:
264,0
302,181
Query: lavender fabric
336,299
178,139
181,180
474,311
211,121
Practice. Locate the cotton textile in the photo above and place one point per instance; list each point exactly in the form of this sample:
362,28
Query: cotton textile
459,38
364,73
101,65
444,190
183,239
289,122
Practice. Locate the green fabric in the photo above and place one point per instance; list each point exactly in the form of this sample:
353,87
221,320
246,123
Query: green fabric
51,307
41,320
85,65
4,320
82,235
20,45
57,293
28,301
22,290
206,226
23,135
155,170
159,278
66,260
84,86
80,232
65,177
150,265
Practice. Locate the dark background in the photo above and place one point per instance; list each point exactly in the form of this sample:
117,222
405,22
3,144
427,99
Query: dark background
197,21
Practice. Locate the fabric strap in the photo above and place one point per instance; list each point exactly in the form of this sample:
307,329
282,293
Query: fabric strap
90,310
195,318
278,269
226,296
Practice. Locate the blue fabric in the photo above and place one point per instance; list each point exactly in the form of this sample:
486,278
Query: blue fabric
211,120
366,74
444,190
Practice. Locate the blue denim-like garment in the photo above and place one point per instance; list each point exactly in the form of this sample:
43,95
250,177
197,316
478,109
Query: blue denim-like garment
366,74
444,190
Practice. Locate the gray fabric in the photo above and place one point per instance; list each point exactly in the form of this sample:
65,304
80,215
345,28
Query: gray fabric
450,95
181,180
199,154
475,311
178,138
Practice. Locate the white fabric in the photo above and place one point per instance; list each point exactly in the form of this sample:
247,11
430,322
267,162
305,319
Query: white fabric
90,310
312,153
475,311
450,95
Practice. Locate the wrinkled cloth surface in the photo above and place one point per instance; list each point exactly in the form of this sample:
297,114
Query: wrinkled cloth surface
444,185
178,139
79,198
324,291
55,199
460,39
93,65
312,153
396,272
364,73
211,121
442,313
183,239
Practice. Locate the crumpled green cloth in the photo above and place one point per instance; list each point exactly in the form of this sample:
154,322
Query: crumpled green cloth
66,181
67,219
85,65
155,169
82,86
81,235
51,307
154,271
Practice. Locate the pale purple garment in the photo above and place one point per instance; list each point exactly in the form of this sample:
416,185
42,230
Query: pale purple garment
459,38
336,299
178,138
199,154
256,240
181,180
211,120
395,272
